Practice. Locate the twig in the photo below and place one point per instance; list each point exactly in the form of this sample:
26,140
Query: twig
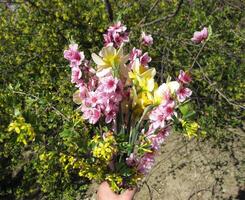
217,90
153,6
196,192
162,67
211,84
149,189
197,56
166,17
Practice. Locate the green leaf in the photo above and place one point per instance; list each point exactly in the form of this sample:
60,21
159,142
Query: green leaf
210,32
66,133
186,108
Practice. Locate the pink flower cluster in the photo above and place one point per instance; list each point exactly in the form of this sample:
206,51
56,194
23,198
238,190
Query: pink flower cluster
146,40
73,55
144,164
156,134
159,117
160,114
158,139
103,101
99,97
137,54
75,58
116,35
200,36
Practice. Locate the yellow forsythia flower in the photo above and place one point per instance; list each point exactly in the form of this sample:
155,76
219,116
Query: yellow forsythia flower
191,128
24,130
104,148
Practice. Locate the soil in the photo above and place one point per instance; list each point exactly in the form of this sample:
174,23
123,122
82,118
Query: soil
196,170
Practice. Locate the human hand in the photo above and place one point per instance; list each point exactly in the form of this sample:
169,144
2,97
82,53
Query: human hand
105,193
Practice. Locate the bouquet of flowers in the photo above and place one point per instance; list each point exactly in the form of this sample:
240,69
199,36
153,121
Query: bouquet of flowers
132,114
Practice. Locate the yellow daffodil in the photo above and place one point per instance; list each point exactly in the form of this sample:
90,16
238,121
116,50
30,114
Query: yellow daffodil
142,76
141,100
142,79
111,60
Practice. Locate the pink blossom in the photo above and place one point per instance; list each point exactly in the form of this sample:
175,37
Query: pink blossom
92,99
169,110
145,59
83,92
110,106
158,139
146,40
131,160
157,119
160,114
200,36
108,39
92,114
92,83
135,53
146,163
109,117
184,77
76,75
183,93
109,84
117,27
73,55
116,35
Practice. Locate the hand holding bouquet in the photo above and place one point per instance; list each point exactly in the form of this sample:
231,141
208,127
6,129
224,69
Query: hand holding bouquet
132,115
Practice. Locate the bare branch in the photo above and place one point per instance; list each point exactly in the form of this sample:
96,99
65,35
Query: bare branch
218,91
166,17
153,6
211,84
197,56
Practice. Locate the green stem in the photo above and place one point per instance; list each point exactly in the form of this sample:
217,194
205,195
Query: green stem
135,131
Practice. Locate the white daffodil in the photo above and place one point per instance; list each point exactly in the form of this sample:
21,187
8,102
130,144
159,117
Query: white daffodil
164,91
110,60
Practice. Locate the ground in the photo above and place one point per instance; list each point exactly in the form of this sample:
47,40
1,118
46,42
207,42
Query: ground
196,170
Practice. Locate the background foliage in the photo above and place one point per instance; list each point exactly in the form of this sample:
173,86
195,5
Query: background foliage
35,88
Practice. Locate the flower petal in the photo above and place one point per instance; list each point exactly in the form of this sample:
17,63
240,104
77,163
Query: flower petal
98,60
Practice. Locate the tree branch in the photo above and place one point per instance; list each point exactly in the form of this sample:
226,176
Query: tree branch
211,84
166,17
218,91
153,6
